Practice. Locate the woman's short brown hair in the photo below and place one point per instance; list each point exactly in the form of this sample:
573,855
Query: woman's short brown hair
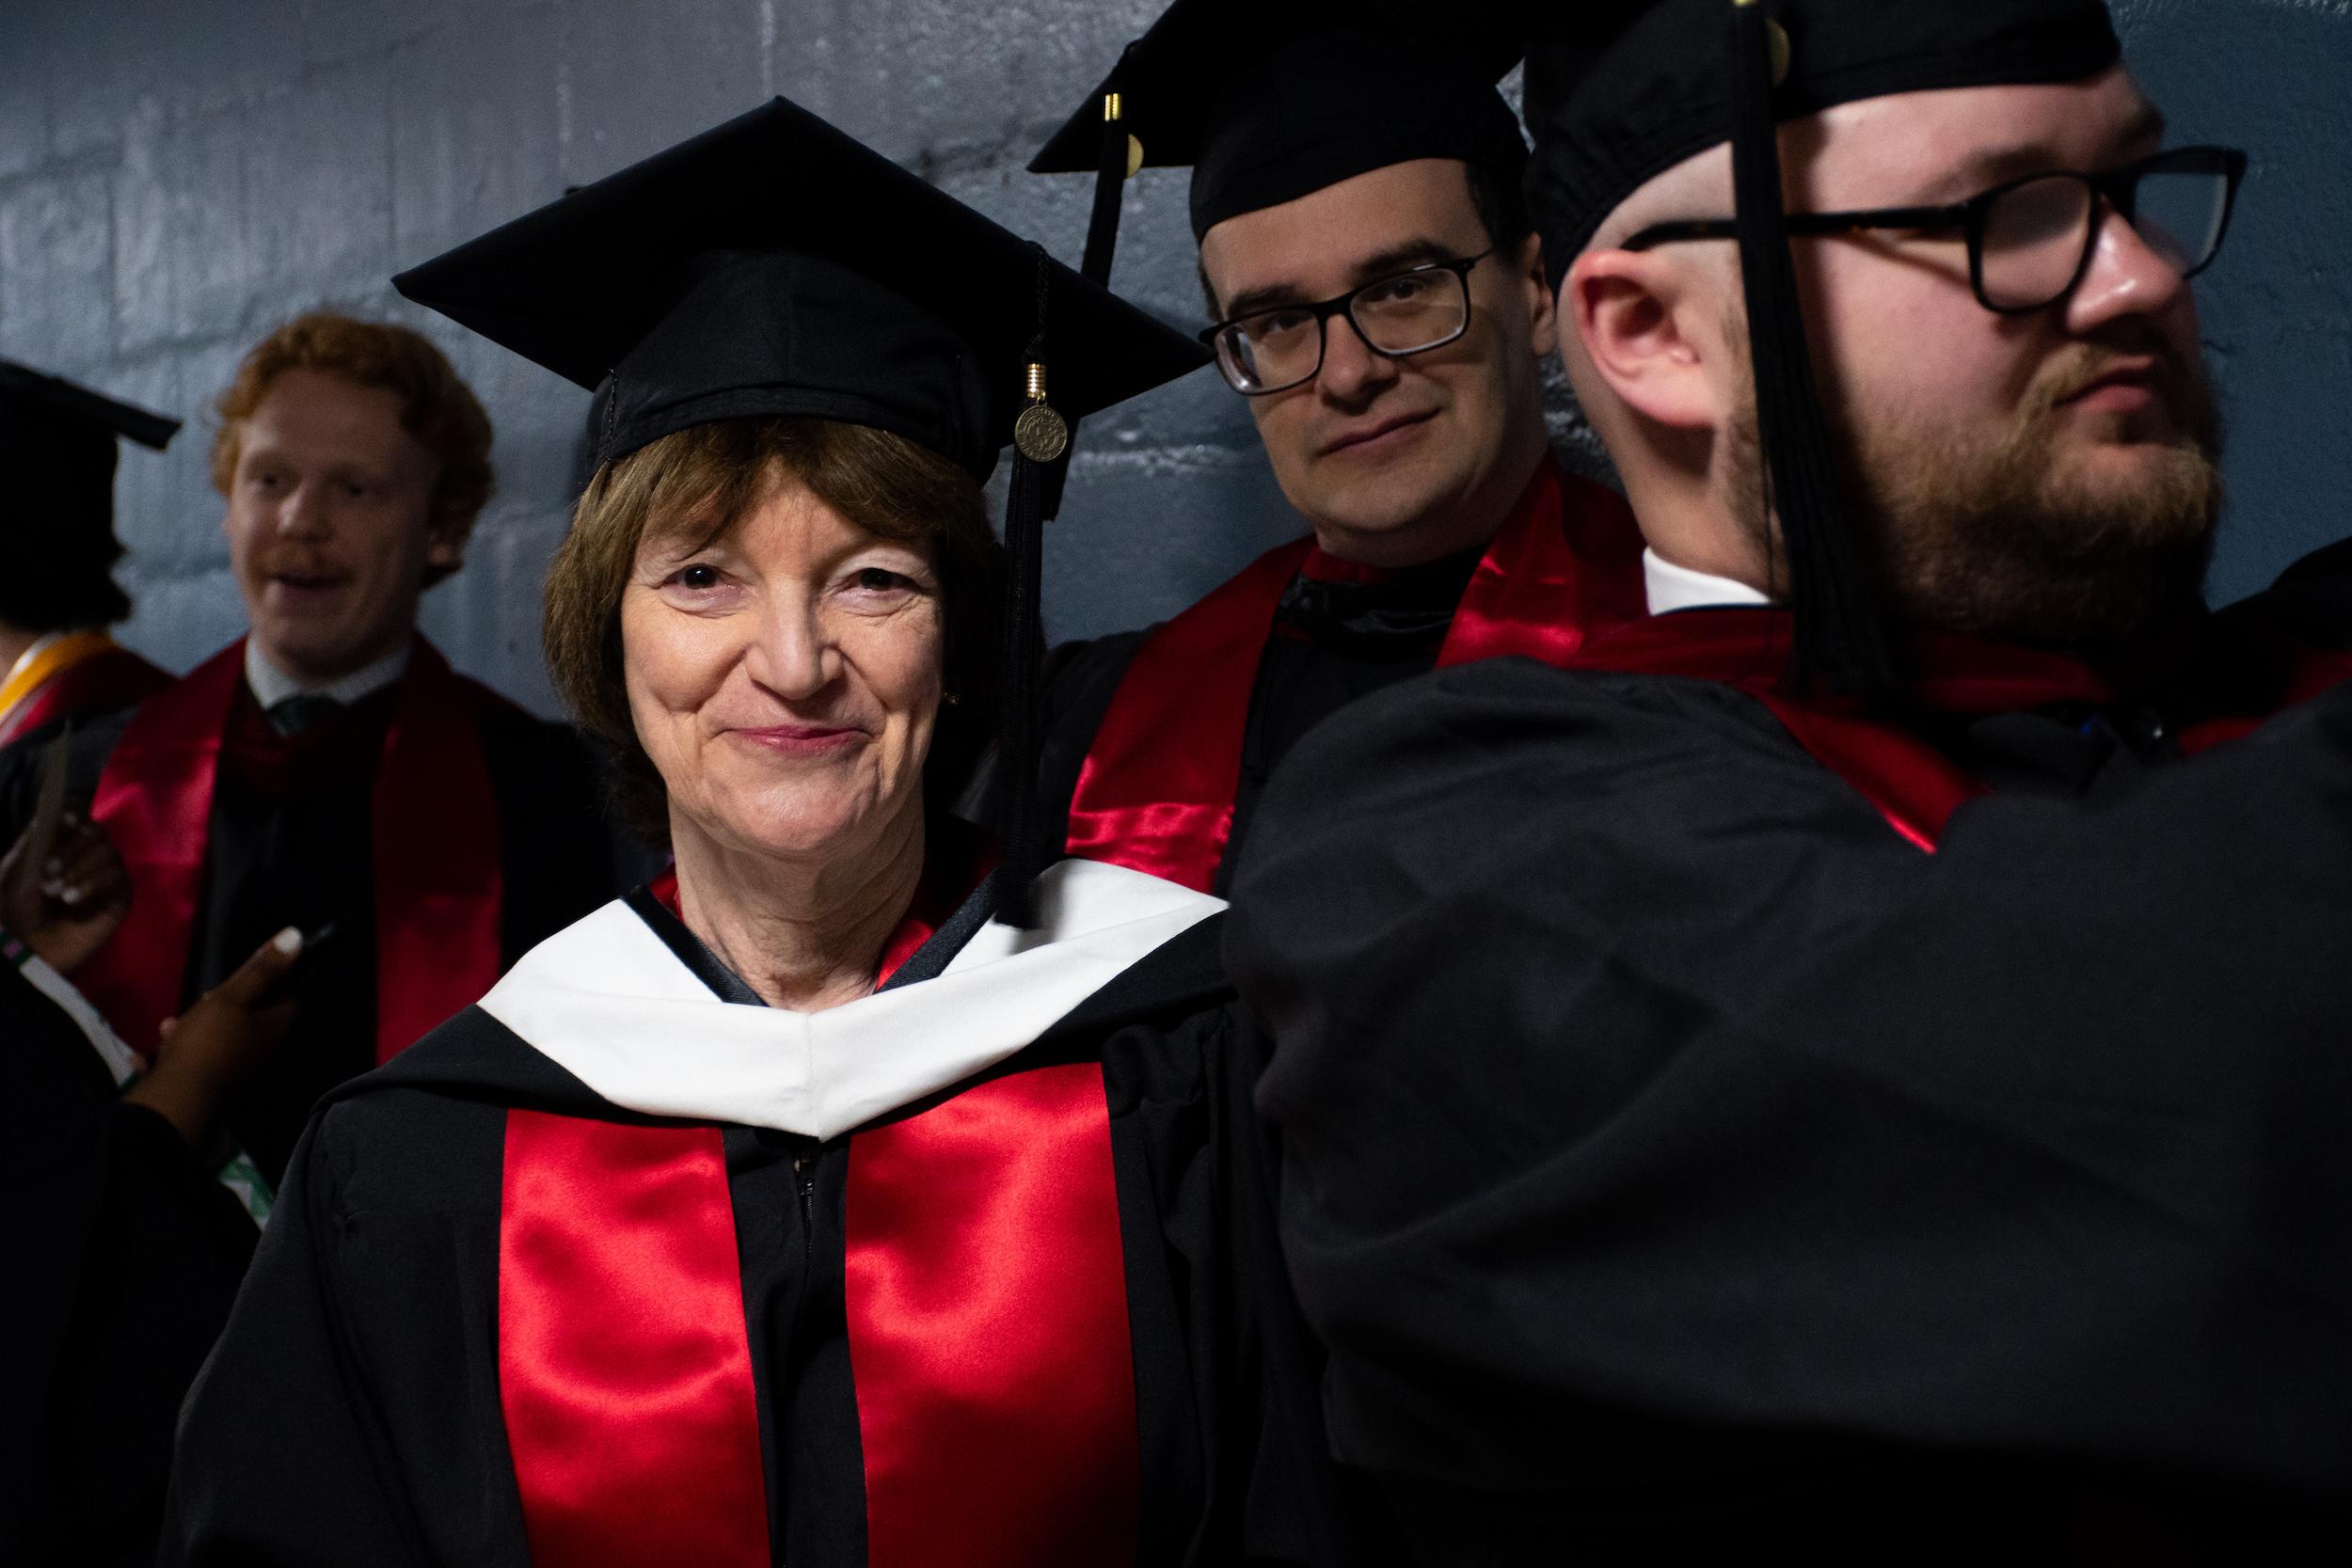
706,478
436,405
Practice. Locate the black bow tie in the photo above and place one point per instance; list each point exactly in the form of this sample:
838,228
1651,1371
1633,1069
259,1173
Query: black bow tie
1403,610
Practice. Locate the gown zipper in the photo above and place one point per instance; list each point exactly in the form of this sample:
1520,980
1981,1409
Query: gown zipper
804,1182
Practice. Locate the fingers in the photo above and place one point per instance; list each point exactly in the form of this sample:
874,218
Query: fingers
251,979
91,884
83,870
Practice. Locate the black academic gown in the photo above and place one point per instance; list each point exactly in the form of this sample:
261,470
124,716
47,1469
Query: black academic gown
301,854
1677,1160
1332,642
351,1414
125,1255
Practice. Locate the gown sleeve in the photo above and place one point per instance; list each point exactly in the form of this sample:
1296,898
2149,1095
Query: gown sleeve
1237,1469
1637,1089
283,1457
126,1255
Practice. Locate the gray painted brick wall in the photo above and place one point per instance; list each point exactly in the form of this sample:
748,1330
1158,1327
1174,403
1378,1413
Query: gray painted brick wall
176,176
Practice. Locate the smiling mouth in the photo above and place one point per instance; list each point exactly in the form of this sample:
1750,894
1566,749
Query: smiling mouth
1385,428
308,583
801,739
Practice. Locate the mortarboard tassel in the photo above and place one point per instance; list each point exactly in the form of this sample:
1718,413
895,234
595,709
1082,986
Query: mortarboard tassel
1838,636
1120,155
1041,446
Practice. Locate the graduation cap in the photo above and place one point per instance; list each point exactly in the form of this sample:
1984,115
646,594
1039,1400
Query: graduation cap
775,266
58,443
31,401
1268,101
1621,90
63,438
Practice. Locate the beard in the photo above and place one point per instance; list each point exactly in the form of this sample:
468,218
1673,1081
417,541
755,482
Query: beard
2012,539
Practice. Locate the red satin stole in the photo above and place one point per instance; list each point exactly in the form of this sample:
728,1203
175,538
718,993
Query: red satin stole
624,1373
1914,786
99,676
987,1315
435,853
1156,790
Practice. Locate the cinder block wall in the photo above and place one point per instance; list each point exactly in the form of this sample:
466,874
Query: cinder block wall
176,176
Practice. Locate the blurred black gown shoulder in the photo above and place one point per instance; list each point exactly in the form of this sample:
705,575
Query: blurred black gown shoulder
1699,1163
126,1255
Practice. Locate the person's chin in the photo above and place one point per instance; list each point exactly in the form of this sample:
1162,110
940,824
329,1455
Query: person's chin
2121,471
1379,499
309,645
790,826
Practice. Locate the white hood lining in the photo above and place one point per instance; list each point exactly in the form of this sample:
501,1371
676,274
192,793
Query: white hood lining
608,1001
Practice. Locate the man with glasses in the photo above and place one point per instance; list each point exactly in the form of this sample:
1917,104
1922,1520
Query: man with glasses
1379,300
1856,1063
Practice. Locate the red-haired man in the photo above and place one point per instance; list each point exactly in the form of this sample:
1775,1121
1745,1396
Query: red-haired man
328,769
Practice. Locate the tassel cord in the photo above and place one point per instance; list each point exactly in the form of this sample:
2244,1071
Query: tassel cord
1017,745
1838,635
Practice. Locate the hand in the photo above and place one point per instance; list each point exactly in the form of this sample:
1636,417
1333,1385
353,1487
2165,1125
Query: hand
68,908
223,1036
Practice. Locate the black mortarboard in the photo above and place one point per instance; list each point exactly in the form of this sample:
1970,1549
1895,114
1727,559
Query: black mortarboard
35,407
1619,91
58,443
775,266
61,439
1271,100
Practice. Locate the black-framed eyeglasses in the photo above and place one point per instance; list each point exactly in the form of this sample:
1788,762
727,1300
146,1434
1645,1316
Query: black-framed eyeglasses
1406,313
2030,240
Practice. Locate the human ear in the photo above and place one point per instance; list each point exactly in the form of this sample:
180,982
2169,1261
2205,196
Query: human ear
1647,325
444,549
1543,320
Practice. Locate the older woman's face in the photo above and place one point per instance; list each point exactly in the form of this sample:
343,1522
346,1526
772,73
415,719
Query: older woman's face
785,677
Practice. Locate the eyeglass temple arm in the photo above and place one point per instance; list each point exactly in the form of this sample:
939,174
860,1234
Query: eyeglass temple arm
1803,223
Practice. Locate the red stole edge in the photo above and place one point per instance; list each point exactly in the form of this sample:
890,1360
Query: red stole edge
989,1336
1155,792
1916,787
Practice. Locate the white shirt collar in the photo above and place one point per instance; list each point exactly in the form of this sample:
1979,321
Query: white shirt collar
1671,587
272,686
608,1001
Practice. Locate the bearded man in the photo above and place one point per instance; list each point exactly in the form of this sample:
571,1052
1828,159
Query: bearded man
1857,1063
